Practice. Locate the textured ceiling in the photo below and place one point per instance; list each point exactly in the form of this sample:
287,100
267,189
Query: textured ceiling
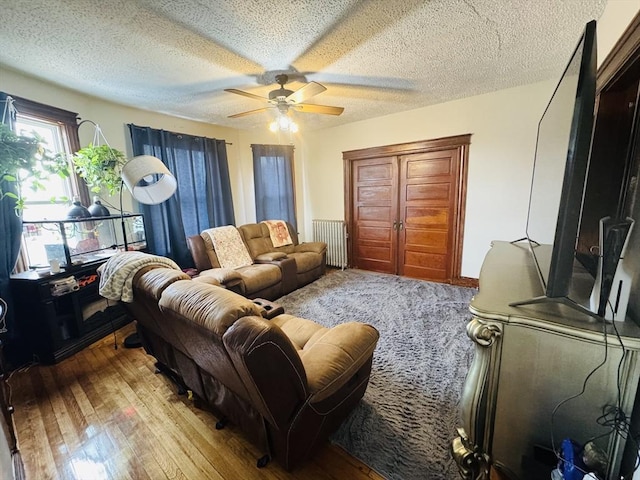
374,56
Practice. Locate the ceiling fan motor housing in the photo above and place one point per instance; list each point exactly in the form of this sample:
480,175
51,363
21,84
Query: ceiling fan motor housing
280,93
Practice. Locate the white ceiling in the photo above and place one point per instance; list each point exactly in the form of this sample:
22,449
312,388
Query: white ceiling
374,56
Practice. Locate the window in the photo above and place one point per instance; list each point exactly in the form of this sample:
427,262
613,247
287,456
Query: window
273,182
58,128
51,202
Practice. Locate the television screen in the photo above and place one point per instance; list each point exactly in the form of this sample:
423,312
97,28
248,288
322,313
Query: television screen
560,167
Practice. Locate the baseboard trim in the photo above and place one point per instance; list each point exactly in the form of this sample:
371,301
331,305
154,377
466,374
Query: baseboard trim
465,282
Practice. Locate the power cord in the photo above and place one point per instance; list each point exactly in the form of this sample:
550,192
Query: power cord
584,388
613,416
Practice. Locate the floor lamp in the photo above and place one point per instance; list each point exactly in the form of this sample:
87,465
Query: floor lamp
150,182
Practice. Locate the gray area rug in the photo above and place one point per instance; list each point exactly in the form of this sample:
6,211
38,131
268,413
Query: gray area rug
404,425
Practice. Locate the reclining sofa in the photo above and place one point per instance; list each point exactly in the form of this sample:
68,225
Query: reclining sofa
274,271
287,382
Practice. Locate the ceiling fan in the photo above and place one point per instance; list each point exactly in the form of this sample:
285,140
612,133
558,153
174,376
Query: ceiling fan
283,99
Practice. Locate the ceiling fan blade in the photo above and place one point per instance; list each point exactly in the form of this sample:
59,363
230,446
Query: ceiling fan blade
306,92
246,94
309,108
250,112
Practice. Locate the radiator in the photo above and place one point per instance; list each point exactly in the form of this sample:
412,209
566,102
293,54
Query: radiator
334,234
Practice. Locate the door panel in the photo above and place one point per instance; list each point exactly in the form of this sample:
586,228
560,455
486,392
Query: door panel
374,213
431,192
404,205
432,241
376,194
427,195
437,217
425,260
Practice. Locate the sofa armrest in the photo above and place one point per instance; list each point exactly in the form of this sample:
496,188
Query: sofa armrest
270,257
315,247
269,367
332,359
227,277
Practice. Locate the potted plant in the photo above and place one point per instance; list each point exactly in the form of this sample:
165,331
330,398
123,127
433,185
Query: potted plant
100,166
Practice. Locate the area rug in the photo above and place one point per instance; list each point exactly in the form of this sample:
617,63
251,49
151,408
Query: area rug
404,425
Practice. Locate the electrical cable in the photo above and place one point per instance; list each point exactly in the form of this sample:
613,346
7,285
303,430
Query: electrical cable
584,388
613,416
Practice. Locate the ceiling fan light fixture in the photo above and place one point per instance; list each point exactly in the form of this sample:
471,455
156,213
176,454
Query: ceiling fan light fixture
283,124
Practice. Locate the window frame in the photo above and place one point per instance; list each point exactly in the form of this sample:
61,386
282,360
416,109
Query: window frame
68,123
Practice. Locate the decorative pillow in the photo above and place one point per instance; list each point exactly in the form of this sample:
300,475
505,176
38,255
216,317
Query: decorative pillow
229,247
278,232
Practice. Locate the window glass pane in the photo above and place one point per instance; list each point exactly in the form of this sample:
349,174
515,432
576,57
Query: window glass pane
38,204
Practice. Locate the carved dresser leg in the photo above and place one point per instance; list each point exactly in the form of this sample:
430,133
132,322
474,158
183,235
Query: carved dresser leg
470,447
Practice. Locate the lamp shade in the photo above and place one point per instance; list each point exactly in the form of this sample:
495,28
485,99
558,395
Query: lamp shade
148,179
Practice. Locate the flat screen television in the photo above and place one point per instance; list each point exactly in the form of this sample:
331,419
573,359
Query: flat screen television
559,172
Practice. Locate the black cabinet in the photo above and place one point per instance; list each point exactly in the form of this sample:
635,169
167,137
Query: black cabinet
59,314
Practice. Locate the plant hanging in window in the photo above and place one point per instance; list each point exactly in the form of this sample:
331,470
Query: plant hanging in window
99,164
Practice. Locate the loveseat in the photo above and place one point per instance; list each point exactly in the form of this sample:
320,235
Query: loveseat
287,382
273,272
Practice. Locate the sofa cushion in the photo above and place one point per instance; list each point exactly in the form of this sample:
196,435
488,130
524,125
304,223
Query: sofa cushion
221,275
270,256
306,261
256,236
331,359
299,330
229,247
211,307
260,276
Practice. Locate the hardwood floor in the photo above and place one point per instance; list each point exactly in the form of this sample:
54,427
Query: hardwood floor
105,414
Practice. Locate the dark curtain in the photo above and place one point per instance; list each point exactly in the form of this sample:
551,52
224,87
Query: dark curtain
203,198
11,225
273,181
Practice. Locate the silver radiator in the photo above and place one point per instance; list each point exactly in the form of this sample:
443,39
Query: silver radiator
334,234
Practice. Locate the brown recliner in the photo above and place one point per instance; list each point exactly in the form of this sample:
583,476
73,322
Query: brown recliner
287,382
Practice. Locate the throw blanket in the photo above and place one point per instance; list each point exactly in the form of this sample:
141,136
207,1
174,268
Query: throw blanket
230,249
116,276
278,232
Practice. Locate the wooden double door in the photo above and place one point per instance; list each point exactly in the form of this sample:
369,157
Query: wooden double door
405,208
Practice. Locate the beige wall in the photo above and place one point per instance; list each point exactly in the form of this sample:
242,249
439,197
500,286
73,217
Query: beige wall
113,120
503,126
613,22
